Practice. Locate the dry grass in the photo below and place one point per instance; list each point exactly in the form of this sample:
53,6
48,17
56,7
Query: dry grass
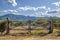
15,35
48,37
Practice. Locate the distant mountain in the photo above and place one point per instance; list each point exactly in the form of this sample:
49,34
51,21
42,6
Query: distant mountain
18,17
23,18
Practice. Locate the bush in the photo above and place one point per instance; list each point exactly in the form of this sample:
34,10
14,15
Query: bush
19,24
2,26
33,24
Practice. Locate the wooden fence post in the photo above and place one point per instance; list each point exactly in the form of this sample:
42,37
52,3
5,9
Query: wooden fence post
7,28
51,26
29,26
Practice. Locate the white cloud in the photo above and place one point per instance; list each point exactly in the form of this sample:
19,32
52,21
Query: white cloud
12,2
22,9
13,11
57,4
26,8
39,14
51,13
9,11
48,8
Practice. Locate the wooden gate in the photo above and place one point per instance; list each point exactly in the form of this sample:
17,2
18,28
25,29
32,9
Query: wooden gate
30,28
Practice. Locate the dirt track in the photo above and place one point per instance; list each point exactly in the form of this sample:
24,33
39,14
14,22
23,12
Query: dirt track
48,37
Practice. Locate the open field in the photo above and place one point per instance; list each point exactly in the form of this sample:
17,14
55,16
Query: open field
21,35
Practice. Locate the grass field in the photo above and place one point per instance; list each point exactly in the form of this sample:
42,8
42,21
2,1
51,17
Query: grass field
22,35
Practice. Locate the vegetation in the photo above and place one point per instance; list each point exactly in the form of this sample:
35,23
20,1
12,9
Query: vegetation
2,26
57,23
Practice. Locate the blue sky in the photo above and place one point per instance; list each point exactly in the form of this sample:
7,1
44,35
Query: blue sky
37,8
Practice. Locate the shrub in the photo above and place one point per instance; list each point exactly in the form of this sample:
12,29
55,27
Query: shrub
18,24
2,26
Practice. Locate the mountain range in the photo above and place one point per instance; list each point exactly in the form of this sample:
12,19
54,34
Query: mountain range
21,17
18,17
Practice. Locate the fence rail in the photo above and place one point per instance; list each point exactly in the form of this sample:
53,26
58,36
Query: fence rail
29,26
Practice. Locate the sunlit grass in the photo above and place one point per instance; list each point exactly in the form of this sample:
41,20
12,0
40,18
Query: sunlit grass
38,32
56,32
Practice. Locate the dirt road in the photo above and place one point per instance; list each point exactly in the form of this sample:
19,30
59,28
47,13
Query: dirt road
48,37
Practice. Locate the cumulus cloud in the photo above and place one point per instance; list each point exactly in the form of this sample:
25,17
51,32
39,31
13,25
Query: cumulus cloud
39,14
9,11
26,8
51,13
13,11
22,9
12,2
55,13
48,12
57,4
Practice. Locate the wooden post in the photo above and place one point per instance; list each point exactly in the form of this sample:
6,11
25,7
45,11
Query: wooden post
7,28
29,26
51,26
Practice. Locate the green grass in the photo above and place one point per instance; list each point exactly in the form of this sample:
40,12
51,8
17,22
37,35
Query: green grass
38,32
